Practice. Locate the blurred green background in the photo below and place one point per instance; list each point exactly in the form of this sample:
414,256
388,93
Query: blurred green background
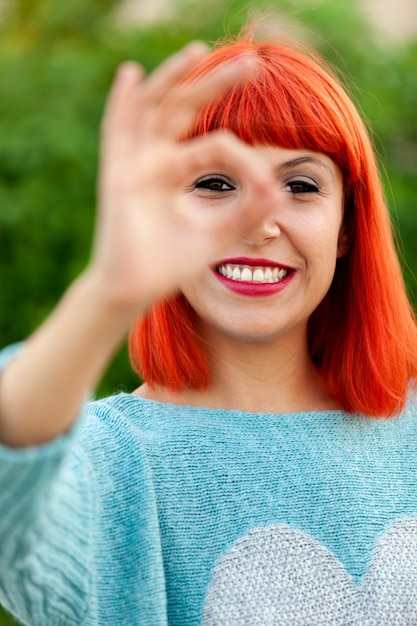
57,60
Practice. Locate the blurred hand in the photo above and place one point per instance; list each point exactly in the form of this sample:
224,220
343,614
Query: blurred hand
150,237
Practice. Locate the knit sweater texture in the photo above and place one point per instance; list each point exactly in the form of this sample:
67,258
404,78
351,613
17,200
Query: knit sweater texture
151,514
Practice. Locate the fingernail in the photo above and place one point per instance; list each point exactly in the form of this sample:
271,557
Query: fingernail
128,68
248,61
196,48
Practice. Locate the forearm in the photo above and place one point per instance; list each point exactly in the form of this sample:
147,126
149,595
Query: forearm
43,388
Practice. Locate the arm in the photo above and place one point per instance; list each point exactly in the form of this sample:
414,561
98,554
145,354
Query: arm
149,239
46,543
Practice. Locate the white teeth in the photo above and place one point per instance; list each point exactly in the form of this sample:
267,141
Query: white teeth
255,275
246,275
258,276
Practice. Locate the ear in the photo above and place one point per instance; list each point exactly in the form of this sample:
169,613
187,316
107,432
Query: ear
343,242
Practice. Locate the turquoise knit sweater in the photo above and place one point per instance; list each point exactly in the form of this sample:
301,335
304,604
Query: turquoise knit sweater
154,514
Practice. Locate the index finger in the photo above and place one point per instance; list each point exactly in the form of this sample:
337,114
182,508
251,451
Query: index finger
180,107
167,75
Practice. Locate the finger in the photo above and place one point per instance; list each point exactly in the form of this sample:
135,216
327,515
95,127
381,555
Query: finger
120,113
167,75
222,152
222,227
178,111
132,100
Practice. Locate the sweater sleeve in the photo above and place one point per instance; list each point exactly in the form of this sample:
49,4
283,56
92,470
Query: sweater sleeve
45,510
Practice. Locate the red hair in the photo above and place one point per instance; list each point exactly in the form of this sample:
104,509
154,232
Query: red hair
363,335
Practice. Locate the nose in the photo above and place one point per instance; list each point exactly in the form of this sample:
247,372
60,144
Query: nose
267,230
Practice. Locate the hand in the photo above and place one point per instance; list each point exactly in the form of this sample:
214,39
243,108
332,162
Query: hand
150,237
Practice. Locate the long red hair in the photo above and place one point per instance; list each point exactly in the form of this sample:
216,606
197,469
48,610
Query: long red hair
363,336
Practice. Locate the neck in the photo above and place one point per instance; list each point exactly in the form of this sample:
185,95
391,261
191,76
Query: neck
263,377
276,376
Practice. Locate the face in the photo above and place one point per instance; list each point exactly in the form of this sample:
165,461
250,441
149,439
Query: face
274,278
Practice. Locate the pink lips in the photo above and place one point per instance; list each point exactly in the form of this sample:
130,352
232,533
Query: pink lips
250,288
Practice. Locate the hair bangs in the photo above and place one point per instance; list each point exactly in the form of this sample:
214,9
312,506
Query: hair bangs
289,102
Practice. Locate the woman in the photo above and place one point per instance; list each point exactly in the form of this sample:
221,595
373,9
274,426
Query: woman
243,237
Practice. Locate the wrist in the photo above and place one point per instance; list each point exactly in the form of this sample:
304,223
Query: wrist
110,302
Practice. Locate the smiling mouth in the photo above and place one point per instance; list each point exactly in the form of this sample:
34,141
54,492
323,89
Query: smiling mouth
247,274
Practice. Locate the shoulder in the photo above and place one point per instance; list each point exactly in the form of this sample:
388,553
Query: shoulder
127,418
128,408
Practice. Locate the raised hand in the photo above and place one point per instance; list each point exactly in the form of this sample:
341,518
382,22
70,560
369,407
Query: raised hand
150,237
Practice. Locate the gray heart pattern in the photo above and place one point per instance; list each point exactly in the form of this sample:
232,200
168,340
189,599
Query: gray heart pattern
280,576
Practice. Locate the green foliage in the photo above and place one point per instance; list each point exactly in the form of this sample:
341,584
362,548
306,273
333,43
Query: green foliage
6,619
57,60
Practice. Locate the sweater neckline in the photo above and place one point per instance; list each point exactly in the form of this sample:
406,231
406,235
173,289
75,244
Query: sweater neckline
207,410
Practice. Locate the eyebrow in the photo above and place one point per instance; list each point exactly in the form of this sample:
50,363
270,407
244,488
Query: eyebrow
301,160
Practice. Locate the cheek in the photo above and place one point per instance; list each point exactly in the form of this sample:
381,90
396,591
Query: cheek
320,238
320,251
197,292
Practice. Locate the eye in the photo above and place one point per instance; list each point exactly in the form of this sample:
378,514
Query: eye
216,184
302,186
